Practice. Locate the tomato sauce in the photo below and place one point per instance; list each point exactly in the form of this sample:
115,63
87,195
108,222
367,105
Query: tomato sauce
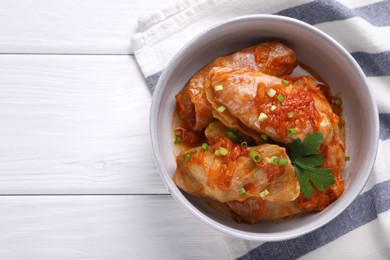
295,111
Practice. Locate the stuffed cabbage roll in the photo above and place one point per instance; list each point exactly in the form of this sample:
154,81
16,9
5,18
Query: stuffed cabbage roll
269,105
226,171
216,129
332,148
334,159
272,58
255,209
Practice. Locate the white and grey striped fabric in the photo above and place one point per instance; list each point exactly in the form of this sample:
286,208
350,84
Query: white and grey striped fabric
363,28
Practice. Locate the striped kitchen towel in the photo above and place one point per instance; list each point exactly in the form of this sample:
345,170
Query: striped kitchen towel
362,231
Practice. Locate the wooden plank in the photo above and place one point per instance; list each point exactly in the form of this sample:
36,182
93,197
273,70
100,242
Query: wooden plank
72,26
103,227
83,27
75,124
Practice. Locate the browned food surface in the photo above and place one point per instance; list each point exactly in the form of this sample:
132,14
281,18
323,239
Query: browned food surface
247,102
255,209
204,173
272,58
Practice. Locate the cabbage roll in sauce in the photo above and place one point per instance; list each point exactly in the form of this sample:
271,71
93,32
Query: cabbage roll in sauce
225,171
272,58
270,105
240,118
256,209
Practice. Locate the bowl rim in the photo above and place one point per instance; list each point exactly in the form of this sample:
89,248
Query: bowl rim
178,195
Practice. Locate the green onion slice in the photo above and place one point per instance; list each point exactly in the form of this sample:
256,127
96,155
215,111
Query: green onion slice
262,117
285,82
218,88
291,131
271,92
280,97
341,121
275,160
221,151
338,101
264,137
245,144
187,157
177,139
290,114
205,146
282,161
256,157
264,193
347,158
242,191
232,135
273,108
221,108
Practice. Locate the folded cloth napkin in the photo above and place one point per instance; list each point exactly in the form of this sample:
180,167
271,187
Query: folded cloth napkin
362,231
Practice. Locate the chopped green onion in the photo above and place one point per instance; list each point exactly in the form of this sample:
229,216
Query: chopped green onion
347,158
242,191
279,161
273,108
221,108
282,161
245,144
271,92
264,193
205,146
290,114
275,160
177,139
256,157
262,117
341,121
221,151
280,97
218,87
264,137
338,101
187,157
291,131
285,82
232,135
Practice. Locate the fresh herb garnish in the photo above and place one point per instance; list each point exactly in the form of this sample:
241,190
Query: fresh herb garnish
177,139
238,138
187,158
280,97
231,133
305,158
221,151
256,157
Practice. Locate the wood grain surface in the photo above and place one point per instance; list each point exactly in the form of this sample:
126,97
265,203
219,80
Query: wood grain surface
103,227
72,26
77,175
75,124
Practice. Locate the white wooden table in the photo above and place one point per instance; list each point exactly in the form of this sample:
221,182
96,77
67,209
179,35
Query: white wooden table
77,175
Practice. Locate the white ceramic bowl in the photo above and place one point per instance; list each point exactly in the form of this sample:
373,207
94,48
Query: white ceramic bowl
314,48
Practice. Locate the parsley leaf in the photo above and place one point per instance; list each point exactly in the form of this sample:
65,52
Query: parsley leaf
320,177
305,158
306,187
